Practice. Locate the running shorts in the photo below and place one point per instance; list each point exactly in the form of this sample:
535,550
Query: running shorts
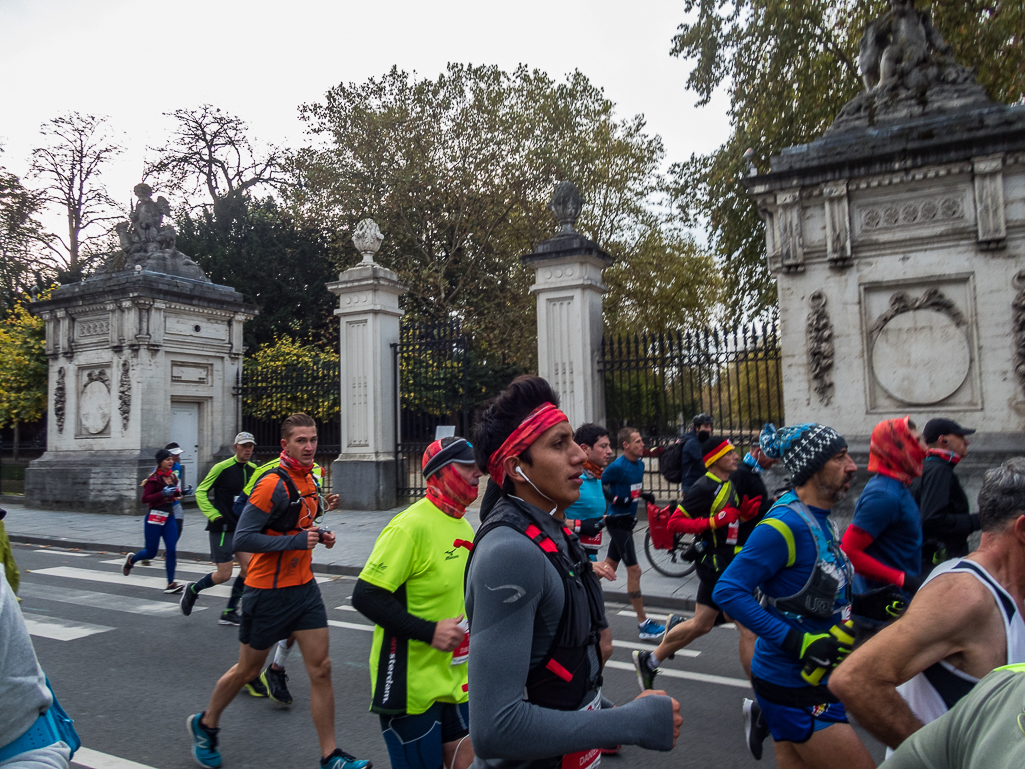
221,546
273,614
621,544
797,721
415,742
707,579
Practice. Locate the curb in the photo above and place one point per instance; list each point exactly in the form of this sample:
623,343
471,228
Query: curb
653,601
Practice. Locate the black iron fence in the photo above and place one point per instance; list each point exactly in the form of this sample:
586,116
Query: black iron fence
269,394
430,365
657,383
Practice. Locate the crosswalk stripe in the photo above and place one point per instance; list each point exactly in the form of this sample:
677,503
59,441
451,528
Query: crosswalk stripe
59,629
188,568
740,683
627,613
64,552
649,647
114,578
347,608
93,759
103,600
350,625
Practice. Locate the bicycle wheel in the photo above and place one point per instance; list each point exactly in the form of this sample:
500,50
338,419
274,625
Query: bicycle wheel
668,562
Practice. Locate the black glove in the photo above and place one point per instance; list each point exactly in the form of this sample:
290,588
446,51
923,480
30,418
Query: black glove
218,524
589,527
648,497
882,604
824,650
913,582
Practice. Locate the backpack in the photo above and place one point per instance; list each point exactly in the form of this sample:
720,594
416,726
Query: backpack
287,518
670,464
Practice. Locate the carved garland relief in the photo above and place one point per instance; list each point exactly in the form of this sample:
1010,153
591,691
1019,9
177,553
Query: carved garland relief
820,347
1018,324
920,351
124,394
60,396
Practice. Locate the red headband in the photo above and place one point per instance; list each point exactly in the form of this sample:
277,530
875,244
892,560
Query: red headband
545,416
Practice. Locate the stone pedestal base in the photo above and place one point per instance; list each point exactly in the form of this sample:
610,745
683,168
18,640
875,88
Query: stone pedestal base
89,481
363,484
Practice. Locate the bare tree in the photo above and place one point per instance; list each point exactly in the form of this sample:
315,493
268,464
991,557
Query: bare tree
71,162
209,150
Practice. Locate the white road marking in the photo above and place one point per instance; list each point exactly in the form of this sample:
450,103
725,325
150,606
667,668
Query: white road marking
64,552
627,613
350,625
649,647
347,608
60,629
740,683
103,600
93,759
115,578
188,568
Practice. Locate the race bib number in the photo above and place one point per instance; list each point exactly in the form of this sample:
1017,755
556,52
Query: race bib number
158,517
585,759
594,541
462,652
635,490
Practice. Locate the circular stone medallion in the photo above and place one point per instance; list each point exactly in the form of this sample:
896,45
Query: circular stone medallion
95,407
921,357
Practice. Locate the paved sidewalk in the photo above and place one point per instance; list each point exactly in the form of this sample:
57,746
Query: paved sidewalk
357,531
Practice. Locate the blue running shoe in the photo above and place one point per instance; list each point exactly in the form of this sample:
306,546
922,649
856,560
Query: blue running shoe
342,760
649,630
204,742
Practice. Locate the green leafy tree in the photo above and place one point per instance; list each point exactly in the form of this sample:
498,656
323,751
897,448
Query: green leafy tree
272,371
789,69
21,236
458,172
23,368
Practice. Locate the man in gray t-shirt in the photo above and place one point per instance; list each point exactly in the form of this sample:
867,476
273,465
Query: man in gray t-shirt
24,696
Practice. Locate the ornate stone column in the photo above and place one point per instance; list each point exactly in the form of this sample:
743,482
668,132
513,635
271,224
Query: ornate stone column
369,315
569,289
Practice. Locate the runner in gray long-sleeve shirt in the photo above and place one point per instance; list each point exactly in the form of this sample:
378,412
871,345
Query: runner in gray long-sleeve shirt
535,606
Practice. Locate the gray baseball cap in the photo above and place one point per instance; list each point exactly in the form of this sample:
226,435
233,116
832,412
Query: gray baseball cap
244,437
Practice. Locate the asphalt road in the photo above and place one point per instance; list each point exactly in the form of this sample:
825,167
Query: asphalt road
129,668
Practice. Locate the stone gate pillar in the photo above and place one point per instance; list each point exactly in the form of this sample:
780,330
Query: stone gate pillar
569,289
368,308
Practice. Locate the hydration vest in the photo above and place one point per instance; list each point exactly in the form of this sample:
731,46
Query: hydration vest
562,680
288,520
818,598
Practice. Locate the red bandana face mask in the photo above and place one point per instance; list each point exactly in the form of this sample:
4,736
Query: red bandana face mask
294,465
450,492
894,451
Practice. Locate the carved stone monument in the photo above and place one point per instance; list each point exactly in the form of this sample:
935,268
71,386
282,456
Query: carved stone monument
369,315
898,243
569,290
147,347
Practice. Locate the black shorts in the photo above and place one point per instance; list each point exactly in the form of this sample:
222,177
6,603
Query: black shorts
621,544
221,549
707,579
273,614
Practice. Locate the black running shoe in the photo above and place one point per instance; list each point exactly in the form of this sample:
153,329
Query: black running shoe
277,685
188,599
256,687
645,673
230,617
671,621
127,568
755,728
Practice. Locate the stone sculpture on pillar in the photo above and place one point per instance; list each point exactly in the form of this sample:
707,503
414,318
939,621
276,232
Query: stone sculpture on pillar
569,289
369,315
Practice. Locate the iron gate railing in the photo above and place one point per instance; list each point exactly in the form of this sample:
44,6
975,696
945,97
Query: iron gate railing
431,373
657,383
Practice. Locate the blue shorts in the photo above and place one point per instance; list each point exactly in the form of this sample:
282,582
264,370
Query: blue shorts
415,742
798,722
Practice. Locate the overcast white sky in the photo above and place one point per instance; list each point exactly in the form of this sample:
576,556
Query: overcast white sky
133,61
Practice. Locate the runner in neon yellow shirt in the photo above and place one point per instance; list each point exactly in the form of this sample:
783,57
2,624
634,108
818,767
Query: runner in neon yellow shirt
412,588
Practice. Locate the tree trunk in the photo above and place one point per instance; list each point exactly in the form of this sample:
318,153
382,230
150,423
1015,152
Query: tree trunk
14,447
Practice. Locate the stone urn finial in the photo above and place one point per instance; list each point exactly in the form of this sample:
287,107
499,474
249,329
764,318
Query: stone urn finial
565,206
367,239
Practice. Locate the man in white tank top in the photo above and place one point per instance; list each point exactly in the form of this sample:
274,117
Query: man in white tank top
965,621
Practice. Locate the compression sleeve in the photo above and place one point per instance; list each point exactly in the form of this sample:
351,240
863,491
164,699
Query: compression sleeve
765,553
680,523
505,588
381,607
203,491
855,540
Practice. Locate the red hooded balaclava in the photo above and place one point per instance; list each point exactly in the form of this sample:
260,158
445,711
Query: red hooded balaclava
894,451
449,491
